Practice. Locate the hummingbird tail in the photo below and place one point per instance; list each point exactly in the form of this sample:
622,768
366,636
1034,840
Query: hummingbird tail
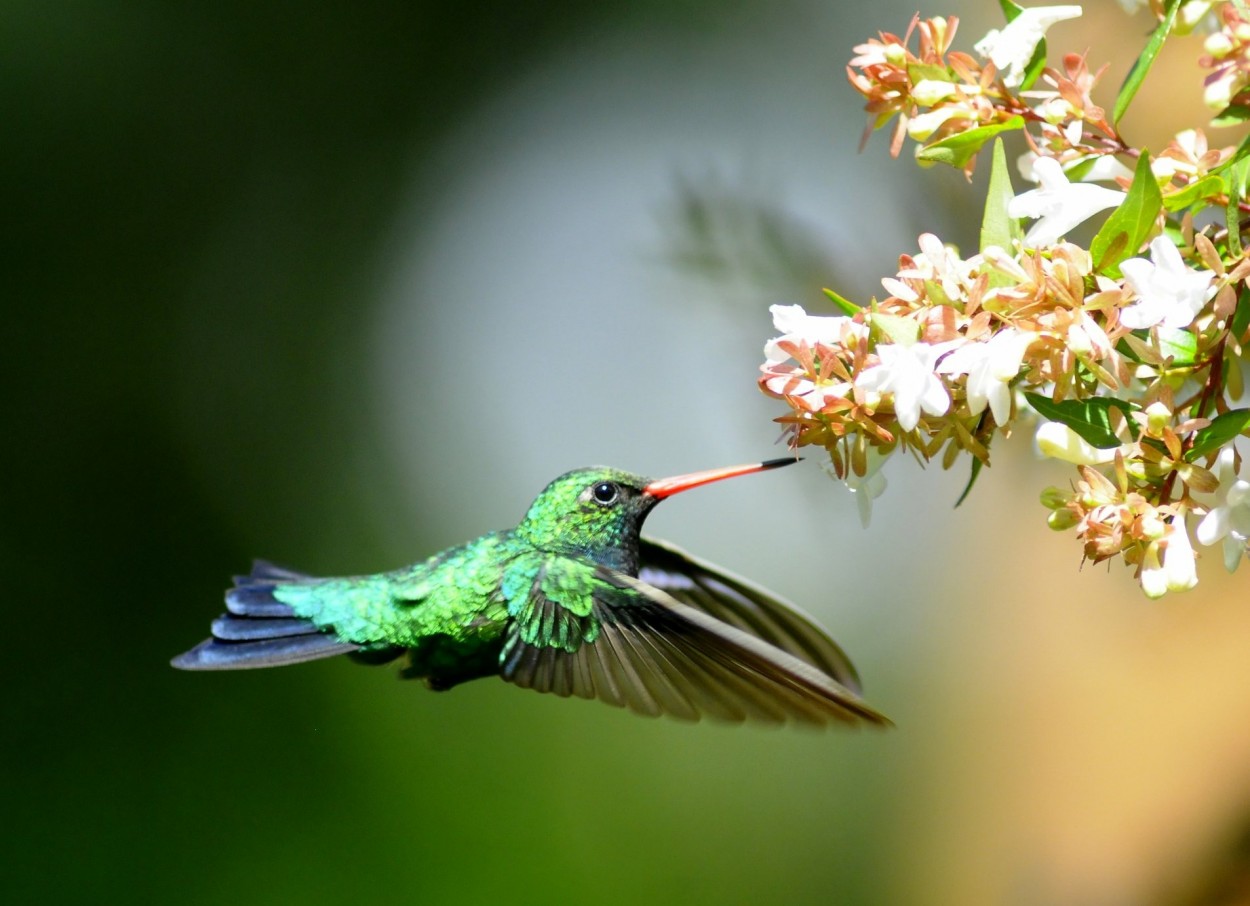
259,630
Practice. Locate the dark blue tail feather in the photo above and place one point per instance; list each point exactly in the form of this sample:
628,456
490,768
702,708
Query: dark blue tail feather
259,630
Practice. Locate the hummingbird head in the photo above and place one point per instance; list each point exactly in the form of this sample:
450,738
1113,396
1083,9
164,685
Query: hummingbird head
598,512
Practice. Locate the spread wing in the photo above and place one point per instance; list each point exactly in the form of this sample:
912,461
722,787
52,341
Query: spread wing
633,645
744,605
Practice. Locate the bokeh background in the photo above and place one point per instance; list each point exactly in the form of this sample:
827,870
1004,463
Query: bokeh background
344,284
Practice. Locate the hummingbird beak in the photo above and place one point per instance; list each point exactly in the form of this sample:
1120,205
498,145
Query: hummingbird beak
666,487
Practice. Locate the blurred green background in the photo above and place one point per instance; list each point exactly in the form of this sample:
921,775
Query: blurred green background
346,284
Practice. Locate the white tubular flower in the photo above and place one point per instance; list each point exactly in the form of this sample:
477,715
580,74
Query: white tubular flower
990,367
1178,570
1106,168
1011,48
1168,292
1228,520
1058,205
928,92
923,125
1197,15
797,325
906,371
1086,337
1058,441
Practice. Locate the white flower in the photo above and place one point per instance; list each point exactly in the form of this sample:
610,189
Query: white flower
928,92
923,125
1229,520
906,371
1058,441
1012,48
1058,205
1178,571
990,367
797,325
1086,337
1168,292
1106,168
1197,15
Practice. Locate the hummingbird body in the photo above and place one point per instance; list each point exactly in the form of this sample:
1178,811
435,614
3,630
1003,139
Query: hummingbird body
571,601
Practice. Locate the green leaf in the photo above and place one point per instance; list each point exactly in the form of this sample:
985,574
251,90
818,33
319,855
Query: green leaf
1128,352
960,148
1129,225
1208,187
996,227
1181,345
1076,172
1241,316
1222,430
904,331
1141,68
845,304
1090,418
1239,177
977,465
1233,115
1243,150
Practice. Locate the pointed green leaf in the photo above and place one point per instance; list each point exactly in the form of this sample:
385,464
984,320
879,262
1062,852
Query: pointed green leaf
1243,150
996,227
1222,430
1128,352
1209,186
1141,68
960,148
1239,177
1090,418
1180,344
845,304
1232,116
1010,10
1129,225
977,465
904,331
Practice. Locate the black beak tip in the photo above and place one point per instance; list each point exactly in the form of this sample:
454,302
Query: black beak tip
778,463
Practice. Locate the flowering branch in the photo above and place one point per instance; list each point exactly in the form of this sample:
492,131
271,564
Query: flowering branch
1128,351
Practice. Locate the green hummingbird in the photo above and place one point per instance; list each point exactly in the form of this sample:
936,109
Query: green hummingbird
572,601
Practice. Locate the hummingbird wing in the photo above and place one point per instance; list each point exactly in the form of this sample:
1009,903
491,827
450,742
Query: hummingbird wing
744,605
630,644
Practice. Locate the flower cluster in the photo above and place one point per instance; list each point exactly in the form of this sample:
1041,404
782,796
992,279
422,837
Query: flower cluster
1228,58
950,103
1127,352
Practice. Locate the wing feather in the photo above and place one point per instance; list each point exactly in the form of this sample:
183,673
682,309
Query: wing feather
744,605
641,648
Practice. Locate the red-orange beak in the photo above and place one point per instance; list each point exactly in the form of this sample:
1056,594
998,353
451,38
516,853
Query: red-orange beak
666,487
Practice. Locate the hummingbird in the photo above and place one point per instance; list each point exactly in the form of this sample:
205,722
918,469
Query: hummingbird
573,601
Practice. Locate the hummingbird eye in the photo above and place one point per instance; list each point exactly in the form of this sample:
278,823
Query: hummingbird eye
605,493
